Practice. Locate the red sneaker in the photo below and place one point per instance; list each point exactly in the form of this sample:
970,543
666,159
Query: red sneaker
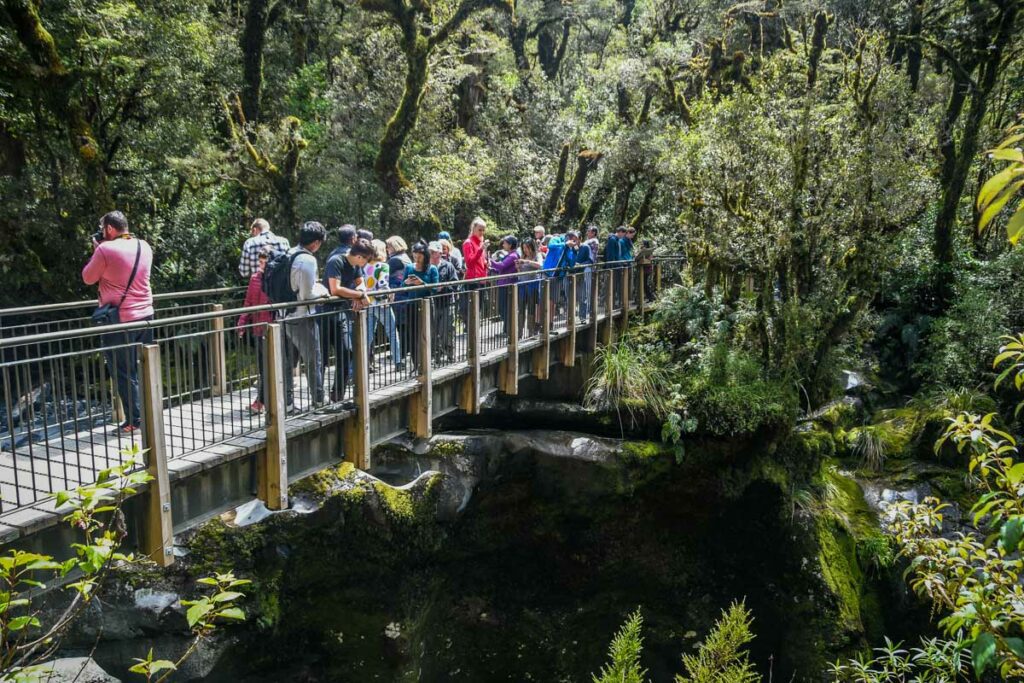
256,408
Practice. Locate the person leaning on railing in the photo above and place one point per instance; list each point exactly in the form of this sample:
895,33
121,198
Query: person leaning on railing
346,279
121,264
378,285
504,263
419,272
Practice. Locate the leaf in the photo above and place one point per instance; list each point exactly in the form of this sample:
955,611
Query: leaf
1011,533
233,613
1007,154
227,596
983,651
1016,473
1016,646
1015,228
995,184
18,623
998,203
197,611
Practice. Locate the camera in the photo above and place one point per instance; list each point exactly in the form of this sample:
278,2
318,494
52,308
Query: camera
98,235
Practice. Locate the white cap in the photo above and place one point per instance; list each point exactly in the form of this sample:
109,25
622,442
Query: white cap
434,246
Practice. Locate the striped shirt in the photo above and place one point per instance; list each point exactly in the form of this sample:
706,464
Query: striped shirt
251,251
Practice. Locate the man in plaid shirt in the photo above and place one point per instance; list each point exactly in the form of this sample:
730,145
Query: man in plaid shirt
261,237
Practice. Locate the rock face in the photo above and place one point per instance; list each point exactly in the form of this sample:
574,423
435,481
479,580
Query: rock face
487,555
75,670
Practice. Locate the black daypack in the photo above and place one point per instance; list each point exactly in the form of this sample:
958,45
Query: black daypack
277,278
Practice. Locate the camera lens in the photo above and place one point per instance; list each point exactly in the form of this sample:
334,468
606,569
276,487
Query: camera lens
98,236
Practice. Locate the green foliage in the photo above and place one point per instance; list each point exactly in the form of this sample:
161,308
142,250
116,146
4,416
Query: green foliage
624,654
686,313
1005,185
626,378
94,511
728,396
935,661
721,657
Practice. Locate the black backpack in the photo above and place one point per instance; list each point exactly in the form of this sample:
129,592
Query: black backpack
277,274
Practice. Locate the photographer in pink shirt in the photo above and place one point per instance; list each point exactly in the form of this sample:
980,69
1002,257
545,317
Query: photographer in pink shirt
115,251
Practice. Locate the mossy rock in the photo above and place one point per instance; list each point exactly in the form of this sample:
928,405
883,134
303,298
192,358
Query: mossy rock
447,448
839,415
322,484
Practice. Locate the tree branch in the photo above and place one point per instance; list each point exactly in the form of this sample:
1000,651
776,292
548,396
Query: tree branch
465,10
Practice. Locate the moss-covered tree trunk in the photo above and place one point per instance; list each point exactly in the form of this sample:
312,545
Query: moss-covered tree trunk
402,122
420,36
48,75
253,40
586,161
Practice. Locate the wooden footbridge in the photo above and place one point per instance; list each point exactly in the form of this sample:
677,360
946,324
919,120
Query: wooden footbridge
205,446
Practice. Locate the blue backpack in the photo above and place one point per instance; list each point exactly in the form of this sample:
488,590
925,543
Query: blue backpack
556,247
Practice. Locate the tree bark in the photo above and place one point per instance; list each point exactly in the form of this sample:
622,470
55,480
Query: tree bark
253,41
586,161
556,189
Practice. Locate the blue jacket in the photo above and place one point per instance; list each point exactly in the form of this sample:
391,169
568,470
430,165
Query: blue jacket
625,249
612,249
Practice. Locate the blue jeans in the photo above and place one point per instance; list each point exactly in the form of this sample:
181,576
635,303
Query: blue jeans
386,317
123,366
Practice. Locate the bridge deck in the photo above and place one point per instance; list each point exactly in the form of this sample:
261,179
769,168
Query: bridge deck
196,432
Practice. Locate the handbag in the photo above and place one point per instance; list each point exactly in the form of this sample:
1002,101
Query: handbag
108,314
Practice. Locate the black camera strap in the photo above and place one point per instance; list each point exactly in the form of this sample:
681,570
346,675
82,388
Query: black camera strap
131,278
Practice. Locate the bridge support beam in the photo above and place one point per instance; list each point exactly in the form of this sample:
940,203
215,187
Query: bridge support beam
158,534
568,356
272,463
508,373
421,411
218,355
542,354
469,399
356,437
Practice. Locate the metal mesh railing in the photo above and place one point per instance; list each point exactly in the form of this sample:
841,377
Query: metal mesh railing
61,405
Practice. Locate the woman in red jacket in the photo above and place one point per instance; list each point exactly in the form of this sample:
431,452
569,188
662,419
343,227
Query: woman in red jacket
254,325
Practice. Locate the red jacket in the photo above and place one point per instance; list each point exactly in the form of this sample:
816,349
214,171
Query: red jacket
255,296
476,257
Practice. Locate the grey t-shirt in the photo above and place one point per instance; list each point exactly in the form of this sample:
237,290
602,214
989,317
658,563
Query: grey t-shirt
303,280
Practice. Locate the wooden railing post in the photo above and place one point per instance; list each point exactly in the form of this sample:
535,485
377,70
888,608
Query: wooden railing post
158,533
626,272
357,437
509,370
421,411
542,354
641,290
592,306
609,308
218,355
469,400
272,465
569,342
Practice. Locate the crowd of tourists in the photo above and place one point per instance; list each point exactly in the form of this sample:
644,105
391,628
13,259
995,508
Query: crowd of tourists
360,271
